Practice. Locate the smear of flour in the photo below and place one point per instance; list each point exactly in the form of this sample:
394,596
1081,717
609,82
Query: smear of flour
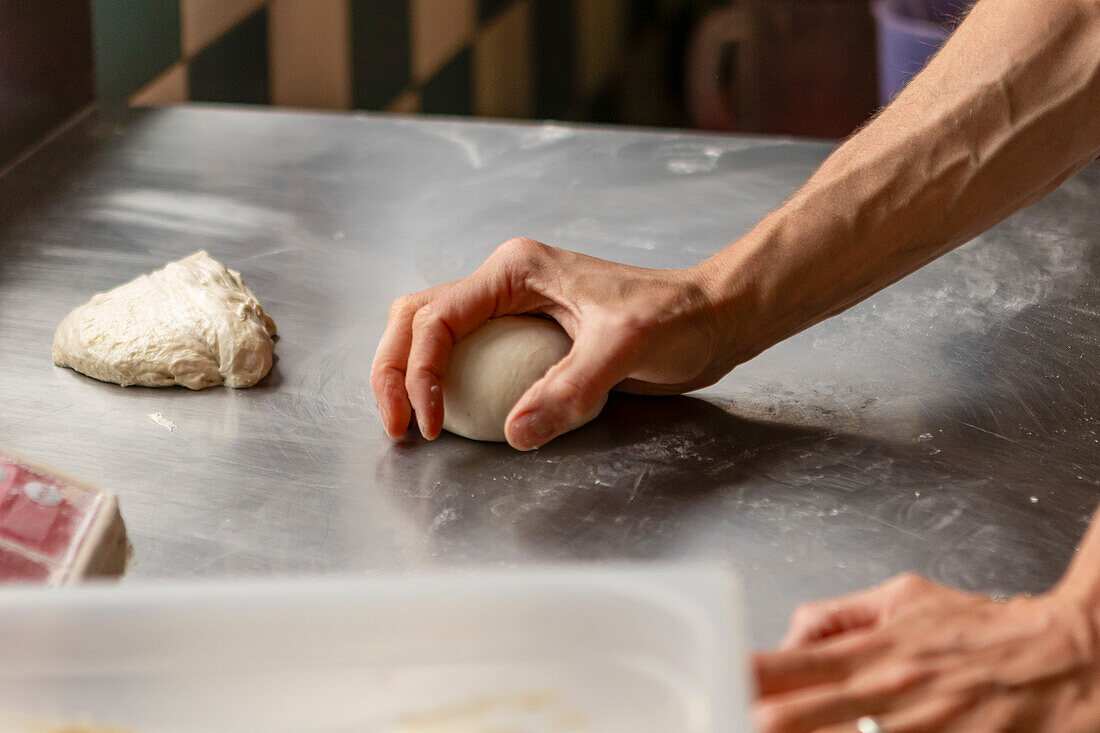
161,420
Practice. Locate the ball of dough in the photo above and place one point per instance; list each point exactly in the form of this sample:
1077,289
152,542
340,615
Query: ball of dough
492,367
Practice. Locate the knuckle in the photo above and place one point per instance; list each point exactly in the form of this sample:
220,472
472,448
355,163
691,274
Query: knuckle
903,676
805,614
381,374
808,610
521,246
573,392
770,717
527,253
377,378
421,378
908,583
427,323
423,316
401,306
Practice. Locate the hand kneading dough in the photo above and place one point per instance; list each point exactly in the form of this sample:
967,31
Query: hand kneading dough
491,368
193,323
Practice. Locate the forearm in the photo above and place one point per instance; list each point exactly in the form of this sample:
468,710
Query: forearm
1006,111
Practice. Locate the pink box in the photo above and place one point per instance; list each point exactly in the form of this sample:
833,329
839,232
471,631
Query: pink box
19,568
44,515
56,528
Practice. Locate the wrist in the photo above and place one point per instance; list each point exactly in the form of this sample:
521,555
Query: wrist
763,285
1081,589
1077,614
731,301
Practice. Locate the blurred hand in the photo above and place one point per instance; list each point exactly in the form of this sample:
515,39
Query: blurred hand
921,657
644,331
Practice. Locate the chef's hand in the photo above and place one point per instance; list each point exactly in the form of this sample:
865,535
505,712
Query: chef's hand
921,657
644,331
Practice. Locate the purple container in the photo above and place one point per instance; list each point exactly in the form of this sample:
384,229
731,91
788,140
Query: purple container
909,33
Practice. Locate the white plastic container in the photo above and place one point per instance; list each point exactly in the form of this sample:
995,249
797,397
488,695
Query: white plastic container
580,650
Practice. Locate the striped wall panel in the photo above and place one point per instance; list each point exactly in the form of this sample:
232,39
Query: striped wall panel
502,58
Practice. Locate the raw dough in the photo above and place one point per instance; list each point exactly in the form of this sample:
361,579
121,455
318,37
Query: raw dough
192,323
491,368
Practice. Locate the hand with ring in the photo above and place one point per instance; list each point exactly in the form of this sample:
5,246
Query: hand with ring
911,656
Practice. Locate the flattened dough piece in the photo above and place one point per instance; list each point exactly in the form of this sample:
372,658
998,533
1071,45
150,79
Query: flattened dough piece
492,367
193,323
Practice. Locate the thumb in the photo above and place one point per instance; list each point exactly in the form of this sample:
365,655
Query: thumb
571,393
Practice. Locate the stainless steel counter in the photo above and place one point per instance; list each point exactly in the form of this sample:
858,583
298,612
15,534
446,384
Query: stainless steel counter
948,425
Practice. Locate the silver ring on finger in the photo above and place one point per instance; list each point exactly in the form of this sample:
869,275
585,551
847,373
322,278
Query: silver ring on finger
867,724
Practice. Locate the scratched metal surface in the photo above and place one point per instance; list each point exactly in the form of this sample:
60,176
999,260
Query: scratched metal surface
947,425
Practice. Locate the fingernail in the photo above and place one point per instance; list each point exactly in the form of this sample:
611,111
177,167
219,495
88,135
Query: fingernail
532,430
385,415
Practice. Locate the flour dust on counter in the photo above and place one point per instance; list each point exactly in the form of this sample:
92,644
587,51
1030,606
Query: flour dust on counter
193,323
